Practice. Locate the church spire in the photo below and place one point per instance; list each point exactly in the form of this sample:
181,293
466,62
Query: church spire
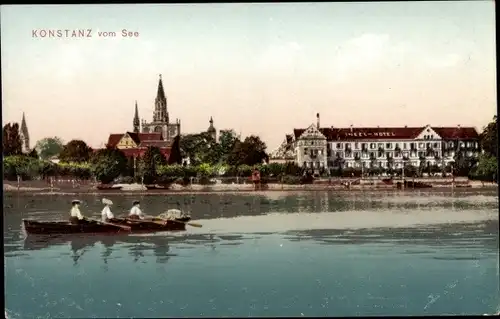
160,95
160,112
24,135
137,123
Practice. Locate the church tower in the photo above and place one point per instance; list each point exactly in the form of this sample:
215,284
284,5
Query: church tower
24,136
137,123
211,129
160,112
161,120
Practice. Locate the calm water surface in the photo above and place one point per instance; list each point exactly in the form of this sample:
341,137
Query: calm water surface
262,254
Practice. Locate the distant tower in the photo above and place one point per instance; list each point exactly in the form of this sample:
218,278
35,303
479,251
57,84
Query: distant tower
160,112
24,136
161,121
137,123
211,130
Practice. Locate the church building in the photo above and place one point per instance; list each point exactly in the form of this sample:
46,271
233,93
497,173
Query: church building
161,119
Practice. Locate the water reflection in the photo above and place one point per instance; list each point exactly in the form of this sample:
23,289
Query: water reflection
137,247
465,236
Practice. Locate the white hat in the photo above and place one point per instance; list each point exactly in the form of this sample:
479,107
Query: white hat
106,201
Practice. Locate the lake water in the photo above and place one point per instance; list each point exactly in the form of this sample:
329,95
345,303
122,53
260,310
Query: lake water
262,254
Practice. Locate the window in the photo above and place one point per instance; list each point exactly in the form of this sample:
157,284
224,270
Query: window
364,155
381,145
435,145
363,146
405,146
450,144
427,145
320,152
356,146
305,150
330,163
373,146
420,145
339,145
387,145
312,143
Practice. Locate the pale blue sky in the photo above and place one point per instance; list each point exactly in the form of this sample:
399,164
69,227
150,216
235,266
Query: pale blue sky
257,68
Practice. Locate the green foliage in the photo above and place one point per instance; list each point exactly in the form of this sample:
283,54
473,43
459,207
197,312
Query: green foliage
11,141
486,169
76,151
27,168
152,159
49,147
33,154
251,151
489,138
200,148
175,153
108,164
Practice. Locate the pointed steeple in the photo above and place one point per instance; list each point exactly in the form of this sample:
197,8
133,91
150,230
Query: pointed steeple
160,113
24,135
137,123
160,95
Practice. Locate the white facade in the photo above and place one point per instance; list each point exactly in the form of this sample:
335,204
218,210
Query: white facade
311,149
379,149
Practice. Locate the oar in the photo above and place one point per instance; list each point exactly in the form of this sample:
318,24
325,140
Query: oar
127,228
178,221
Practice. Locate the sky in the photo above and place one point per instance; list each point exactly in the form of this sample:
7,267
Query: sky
256,68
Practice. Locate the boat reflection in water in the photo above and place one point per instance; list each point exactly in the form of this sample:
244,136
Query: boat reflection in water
137,246
80,245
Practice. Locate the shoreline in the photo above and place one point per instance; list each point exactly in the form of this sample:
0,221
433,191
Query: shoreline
247,189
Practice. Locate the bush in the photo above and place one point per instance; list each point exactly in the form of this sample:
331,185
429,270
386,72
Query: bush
291,180
27,168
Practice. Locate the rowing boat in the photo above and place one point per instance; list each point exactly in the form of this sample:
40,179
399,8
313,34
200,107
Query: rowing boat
116,225
65,227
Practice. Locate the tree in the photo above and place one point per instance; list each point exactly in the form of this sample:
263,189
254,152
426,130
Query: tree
487,168
33,153
75,151
251,151
489,138
11,141
151,160
175,152
108,164
227,141
49,147
199,148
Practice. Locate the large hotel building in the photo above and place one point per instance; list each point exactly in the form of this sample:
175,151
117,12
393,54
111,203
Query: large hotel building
318,147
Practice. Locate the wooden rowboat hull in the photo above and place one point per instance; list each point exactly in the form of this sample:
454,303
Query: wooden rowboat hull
91,227
65,227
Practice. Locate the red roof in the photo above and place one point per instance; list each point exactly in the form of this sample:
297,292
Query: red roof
392,133
138,138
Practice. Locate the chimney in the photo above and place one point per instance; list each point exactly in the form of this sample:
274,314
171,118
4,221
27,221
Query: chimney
458,126
317,120
351,128
406,126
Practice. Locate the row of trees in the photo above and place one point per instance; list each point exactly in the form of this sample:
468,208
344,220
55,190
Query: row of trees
230,156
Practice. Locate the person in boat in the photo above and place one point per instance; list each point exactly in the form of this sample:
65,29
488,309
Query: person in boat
135,211
106,214
76,215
